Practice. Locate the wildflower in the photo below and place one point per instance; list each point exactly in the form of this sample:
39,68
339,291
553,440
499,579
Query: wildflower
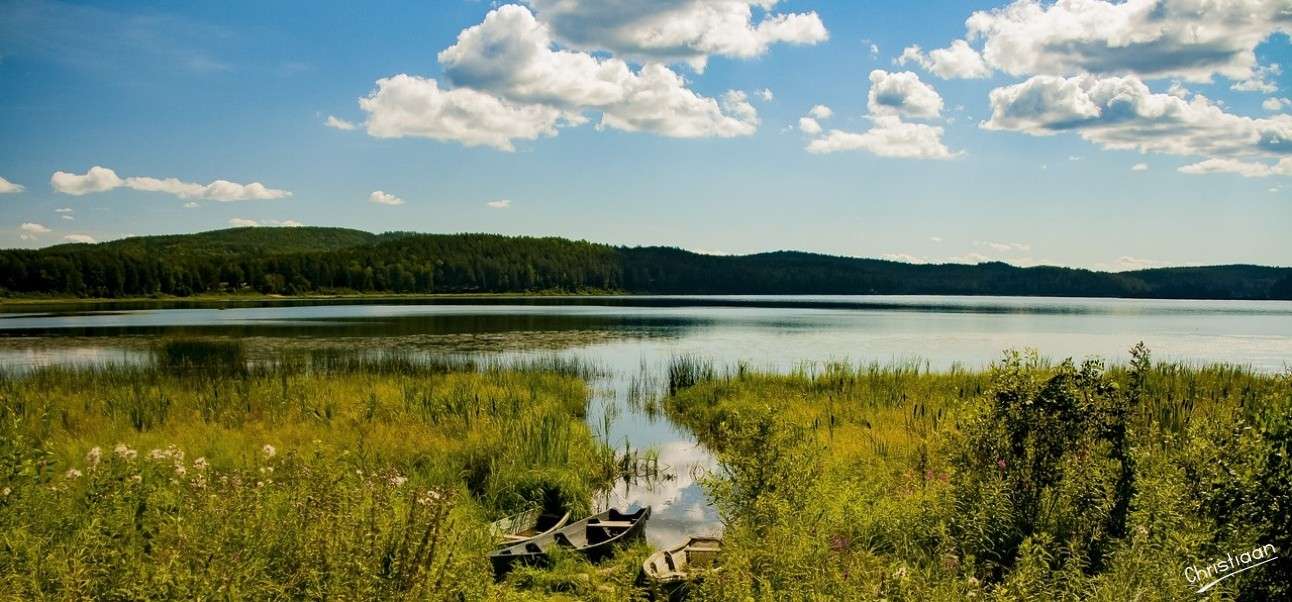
398,481
200,463
266,470
1001,464
269,451
6,492
156,454
73,473
136,478
180,470
93,456
260,484
124,452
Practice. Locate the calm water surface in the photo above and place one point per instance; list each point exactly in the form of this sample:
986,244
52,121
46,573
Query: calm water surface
632,336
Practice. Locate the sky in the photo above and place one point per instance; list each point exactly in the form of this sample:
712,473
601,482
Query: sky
1104,135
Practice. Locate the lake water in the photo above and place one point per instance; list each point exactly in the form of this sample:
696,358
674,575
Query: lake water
634,335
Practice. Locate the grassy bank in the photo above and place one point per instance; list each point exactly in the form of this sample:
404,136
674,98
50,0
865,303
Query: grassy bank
1027,482
322,476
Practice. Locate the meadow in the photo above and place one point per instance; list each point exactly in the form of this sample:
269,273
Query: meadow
1030,481
212,472
324,475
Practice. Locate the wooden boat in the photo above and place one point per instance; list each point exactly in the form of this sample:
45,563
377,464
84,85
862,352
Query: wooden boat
526,525
595,537
670,571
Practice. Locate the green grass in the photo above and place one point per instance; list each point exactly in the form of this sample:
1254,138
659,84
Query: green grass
1026,482
321,476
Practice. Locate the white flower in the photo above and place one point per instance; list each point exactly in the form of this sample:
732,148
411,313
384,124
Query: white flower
93,456
73,473
180,470
269,451
398,480
124,452
6,492
156,454
136,478
200,463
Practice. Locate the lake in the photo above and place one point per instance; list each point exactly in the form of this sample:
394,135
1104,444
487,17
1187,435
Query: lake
634,337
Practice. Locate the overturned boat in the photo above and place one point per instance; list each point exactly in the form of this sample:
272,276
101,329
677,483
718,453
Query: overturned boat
670,572
595,538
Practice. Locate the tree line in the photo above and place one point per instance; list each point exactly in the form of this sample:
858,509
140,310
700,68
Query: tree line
293,261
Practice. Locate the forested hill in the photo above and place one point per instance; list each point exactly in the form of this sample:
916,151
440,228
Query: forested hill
326,260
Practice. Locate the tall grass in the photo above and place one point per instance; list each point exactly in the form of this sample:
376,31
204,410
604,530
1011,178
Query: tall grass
320,475
1028,481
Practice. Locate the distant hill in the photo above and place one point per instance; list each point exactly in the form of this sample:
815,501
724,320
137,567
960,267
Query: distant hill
311,260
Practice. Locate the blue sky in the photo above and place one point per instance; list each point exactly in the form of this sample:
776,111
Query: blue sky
645,124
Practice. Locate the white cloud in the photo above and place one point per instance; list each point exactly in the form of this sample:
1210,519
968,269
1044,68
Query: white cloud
888,137
1127,263
903,257
1121,113
969,258
1139,167
902,94
30,228
1260,80
102,179
820,112
382,198
958,61
81,238
676,30
1187,39
512,83
874,50
67,217
1276,104
499,204
808,125
1247,169
191,205
410,106
338,123
240,222
766,94
7,187
97,179
63,210
935,238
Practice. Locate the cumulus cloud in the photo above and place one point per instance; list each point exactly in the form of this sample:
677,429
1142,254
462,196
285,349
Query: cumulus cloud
766,94
903,257
958,61
7,187
30,228
1276,104
499,204
410,106
1121,113
676,30
902,94
1187,39
1139,167
97,179
1247,169
1260,80
102,179
809,126
240,222
510,82
889,136
820,112
338,123
80,238
382,198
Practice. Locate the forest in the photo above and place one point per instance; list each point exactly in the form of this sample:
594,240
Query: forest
309,260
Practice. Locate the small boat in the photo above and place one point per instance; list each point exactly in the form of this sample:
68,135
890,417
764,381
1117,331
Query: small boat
526,525
670,571
595,537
